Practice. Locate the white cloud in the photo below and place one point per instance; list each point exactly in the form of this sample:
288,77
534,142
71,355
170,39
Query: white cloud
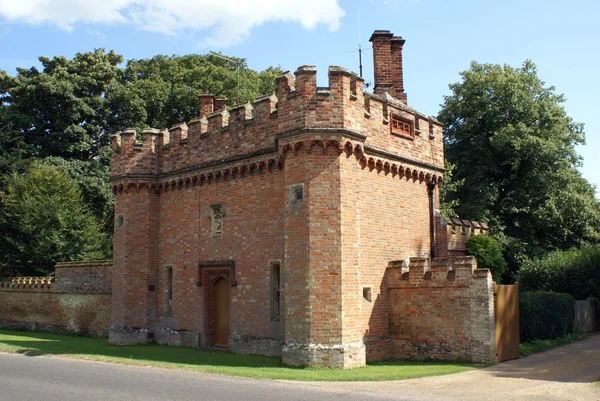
229,20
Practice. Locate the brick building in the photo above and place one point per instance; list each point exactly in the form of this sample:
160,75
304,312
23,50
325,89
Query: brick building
295,226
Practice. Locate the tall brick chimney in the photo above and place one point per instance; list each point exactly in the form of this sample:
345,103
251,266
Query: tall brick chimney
210,104
387,64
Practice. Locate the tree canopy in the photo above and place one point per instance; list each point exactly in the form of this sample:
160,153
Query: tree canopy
513,147
44,220
63,115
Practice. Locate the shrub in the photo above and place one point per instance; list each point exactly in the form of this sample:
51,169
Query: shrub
488,252
576,272
545,315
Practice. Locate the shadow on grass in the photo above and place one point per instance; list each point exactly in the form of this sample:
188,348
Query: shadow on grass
36,343
30,352
29,343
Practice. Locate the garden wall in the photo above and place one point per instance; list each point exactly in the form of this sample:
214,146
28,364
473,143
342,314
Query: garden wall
77,300
443,311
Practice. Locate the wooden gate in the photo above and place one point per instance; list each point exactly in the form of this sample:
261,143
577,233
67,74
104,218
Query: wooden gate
506,309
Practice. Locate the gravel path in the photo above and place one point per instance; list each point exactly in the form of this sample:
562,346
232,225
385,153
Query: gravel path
563,373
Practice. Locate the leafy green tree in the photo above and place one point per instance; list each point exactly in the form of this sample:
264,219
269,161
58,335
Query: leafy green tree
63,114
488,253
62,109
449,187
93,180
513,145
43,220
162,91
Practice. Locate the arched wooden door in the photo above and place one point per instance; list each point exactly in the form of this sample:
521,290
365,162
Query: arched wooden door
220,303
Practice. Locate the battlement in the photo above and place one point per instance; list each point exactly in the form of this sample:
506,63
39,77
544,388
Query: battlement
441,271
442,310
380,122
452,235
27,283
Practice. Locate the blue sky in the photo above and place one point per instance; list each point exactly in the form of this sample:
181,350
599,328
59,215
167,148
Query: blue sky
442,38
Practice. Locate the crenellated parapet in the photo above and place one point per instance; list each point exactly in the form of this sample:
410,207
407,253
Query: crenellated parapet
391,136
442,310
27,283
440,272
452,235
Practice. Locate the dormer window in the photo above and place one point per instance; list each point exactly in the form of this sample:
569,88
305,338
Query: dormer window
402,127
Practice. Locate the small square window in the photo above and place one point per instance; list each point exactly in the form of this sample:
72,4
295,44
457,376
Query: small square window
297,194
401,126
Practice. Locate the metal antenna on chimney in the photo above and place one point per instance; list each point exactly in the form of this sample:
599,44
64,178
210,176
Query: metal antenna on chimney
237,67
359,49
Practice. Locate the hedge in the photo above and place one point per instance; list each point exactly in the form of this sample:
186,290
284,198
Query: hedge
545,315
576,272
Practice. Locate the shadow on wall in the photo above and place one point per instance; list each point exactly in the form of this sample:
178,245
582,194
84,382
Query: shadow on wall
378,342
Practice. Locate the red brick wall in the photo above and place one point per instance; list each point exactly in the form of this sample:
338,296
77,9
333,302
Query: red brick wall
87,277
252,237
442,312
366,205
452,235
50,310
68,303
385,218
135,257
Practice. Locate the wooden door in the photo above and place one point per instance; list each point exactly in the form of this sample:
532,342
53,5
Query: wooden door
221,312
506,309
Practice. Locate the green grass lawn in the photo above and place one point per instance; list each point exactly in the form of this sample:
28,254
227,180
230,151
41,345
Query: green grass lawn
536,346
98,349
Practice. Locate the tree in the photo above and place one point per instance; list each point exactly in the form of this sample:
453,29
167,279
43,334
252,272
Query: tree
449,187
488,253
64,113
163,91
513,144
93,180
43,220
62,109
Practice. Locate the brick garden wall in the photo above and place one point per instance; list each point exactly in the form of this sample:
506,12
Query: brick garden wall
77,300
452,235
442,311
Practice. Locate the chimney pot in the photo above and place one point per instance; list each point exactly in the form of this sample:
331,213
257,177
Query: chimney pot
207,104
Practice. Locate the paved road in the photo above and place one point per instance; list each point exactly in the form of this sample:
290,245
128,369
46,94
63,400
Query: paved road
561,374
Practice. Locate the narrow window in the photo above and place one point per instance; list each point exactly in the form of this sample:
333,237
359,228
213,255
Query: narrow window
297,194
367,294
275,292
119,221
217,214
169,292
